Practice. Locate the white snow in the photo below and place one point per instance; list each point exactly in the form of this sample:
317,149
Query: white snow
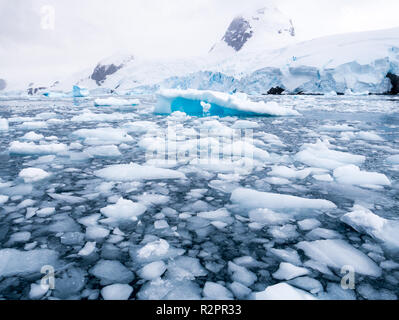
132,172
190,100
282,291
251,199
117,292
33,175
124,210
338,254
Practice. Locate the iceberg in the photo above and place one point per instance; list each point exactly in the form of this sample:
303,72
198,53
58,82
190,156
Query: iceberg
80,92
111,101
199,103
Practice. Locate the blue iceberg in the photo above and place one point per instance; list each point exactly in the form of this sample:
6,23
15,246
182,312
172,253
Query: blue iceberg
212,103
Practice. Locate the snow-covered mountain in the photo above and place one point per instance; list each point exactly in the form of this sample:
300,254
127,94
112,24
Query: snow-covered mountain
266,28
259,55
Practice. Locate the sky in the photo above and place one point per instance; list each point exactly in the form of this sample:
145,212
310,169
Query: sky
42,40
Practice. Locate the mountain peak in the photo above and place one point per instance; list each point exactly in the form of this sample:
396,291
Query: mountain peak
264,28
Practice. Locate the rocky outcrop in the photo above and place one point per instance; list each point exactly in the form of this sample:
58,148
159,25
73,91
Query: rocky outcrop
395,83
101,72
3,84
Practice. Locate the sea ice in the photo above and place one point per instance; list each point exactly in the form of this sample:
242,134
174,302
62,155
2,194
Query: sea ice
365,221
152,270
338,254
132,172
14,262
101,136
352,175
110,151
124,210
32,136
251,199
30,148
288,271
320,156
4,125
117,292
215,291
282,291
33,175
111,101
112,271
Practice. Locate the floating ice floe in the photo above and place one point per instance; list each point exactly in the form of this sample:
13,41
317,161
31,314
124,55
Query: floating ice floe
216,291
103,151
156,250
80,92
30,148
338,254
133,172
320,156
117,292
252,199
282,291
152,270
32,125
124,210
288,271
365,221
33,175
393,159
32,136
111,101
14,262
4,124
88,116
192,102
3,199
352,175
111,272
103,136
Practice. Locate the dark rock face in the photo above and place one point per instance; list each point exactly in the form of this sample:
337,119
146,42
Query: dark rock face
276,91
3,84
32,91
101,72
238,33
395,83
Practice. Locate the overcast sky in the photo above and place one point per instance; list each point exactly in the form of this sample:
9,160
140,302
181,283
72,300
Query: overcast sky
86,31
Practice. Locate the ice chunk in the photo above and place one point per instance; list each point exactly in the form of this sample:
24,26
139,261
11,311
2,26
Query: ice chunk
3,199
32,136
96,233
117,292
80,92
112,271
239,290
309,224
351,174
288,271
221,104
184,267
319,155
323,177
88,249
288,255
251,199
155,251
111,101
365,221
241,274
215,291
306,283
338,254
282,291
289,173
14,262
101,136
245,124
32,125
393,159
23,236
4,124
132,172
140,126
30,148
104,151
152,270
37,291
160,289
124,210
33,175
